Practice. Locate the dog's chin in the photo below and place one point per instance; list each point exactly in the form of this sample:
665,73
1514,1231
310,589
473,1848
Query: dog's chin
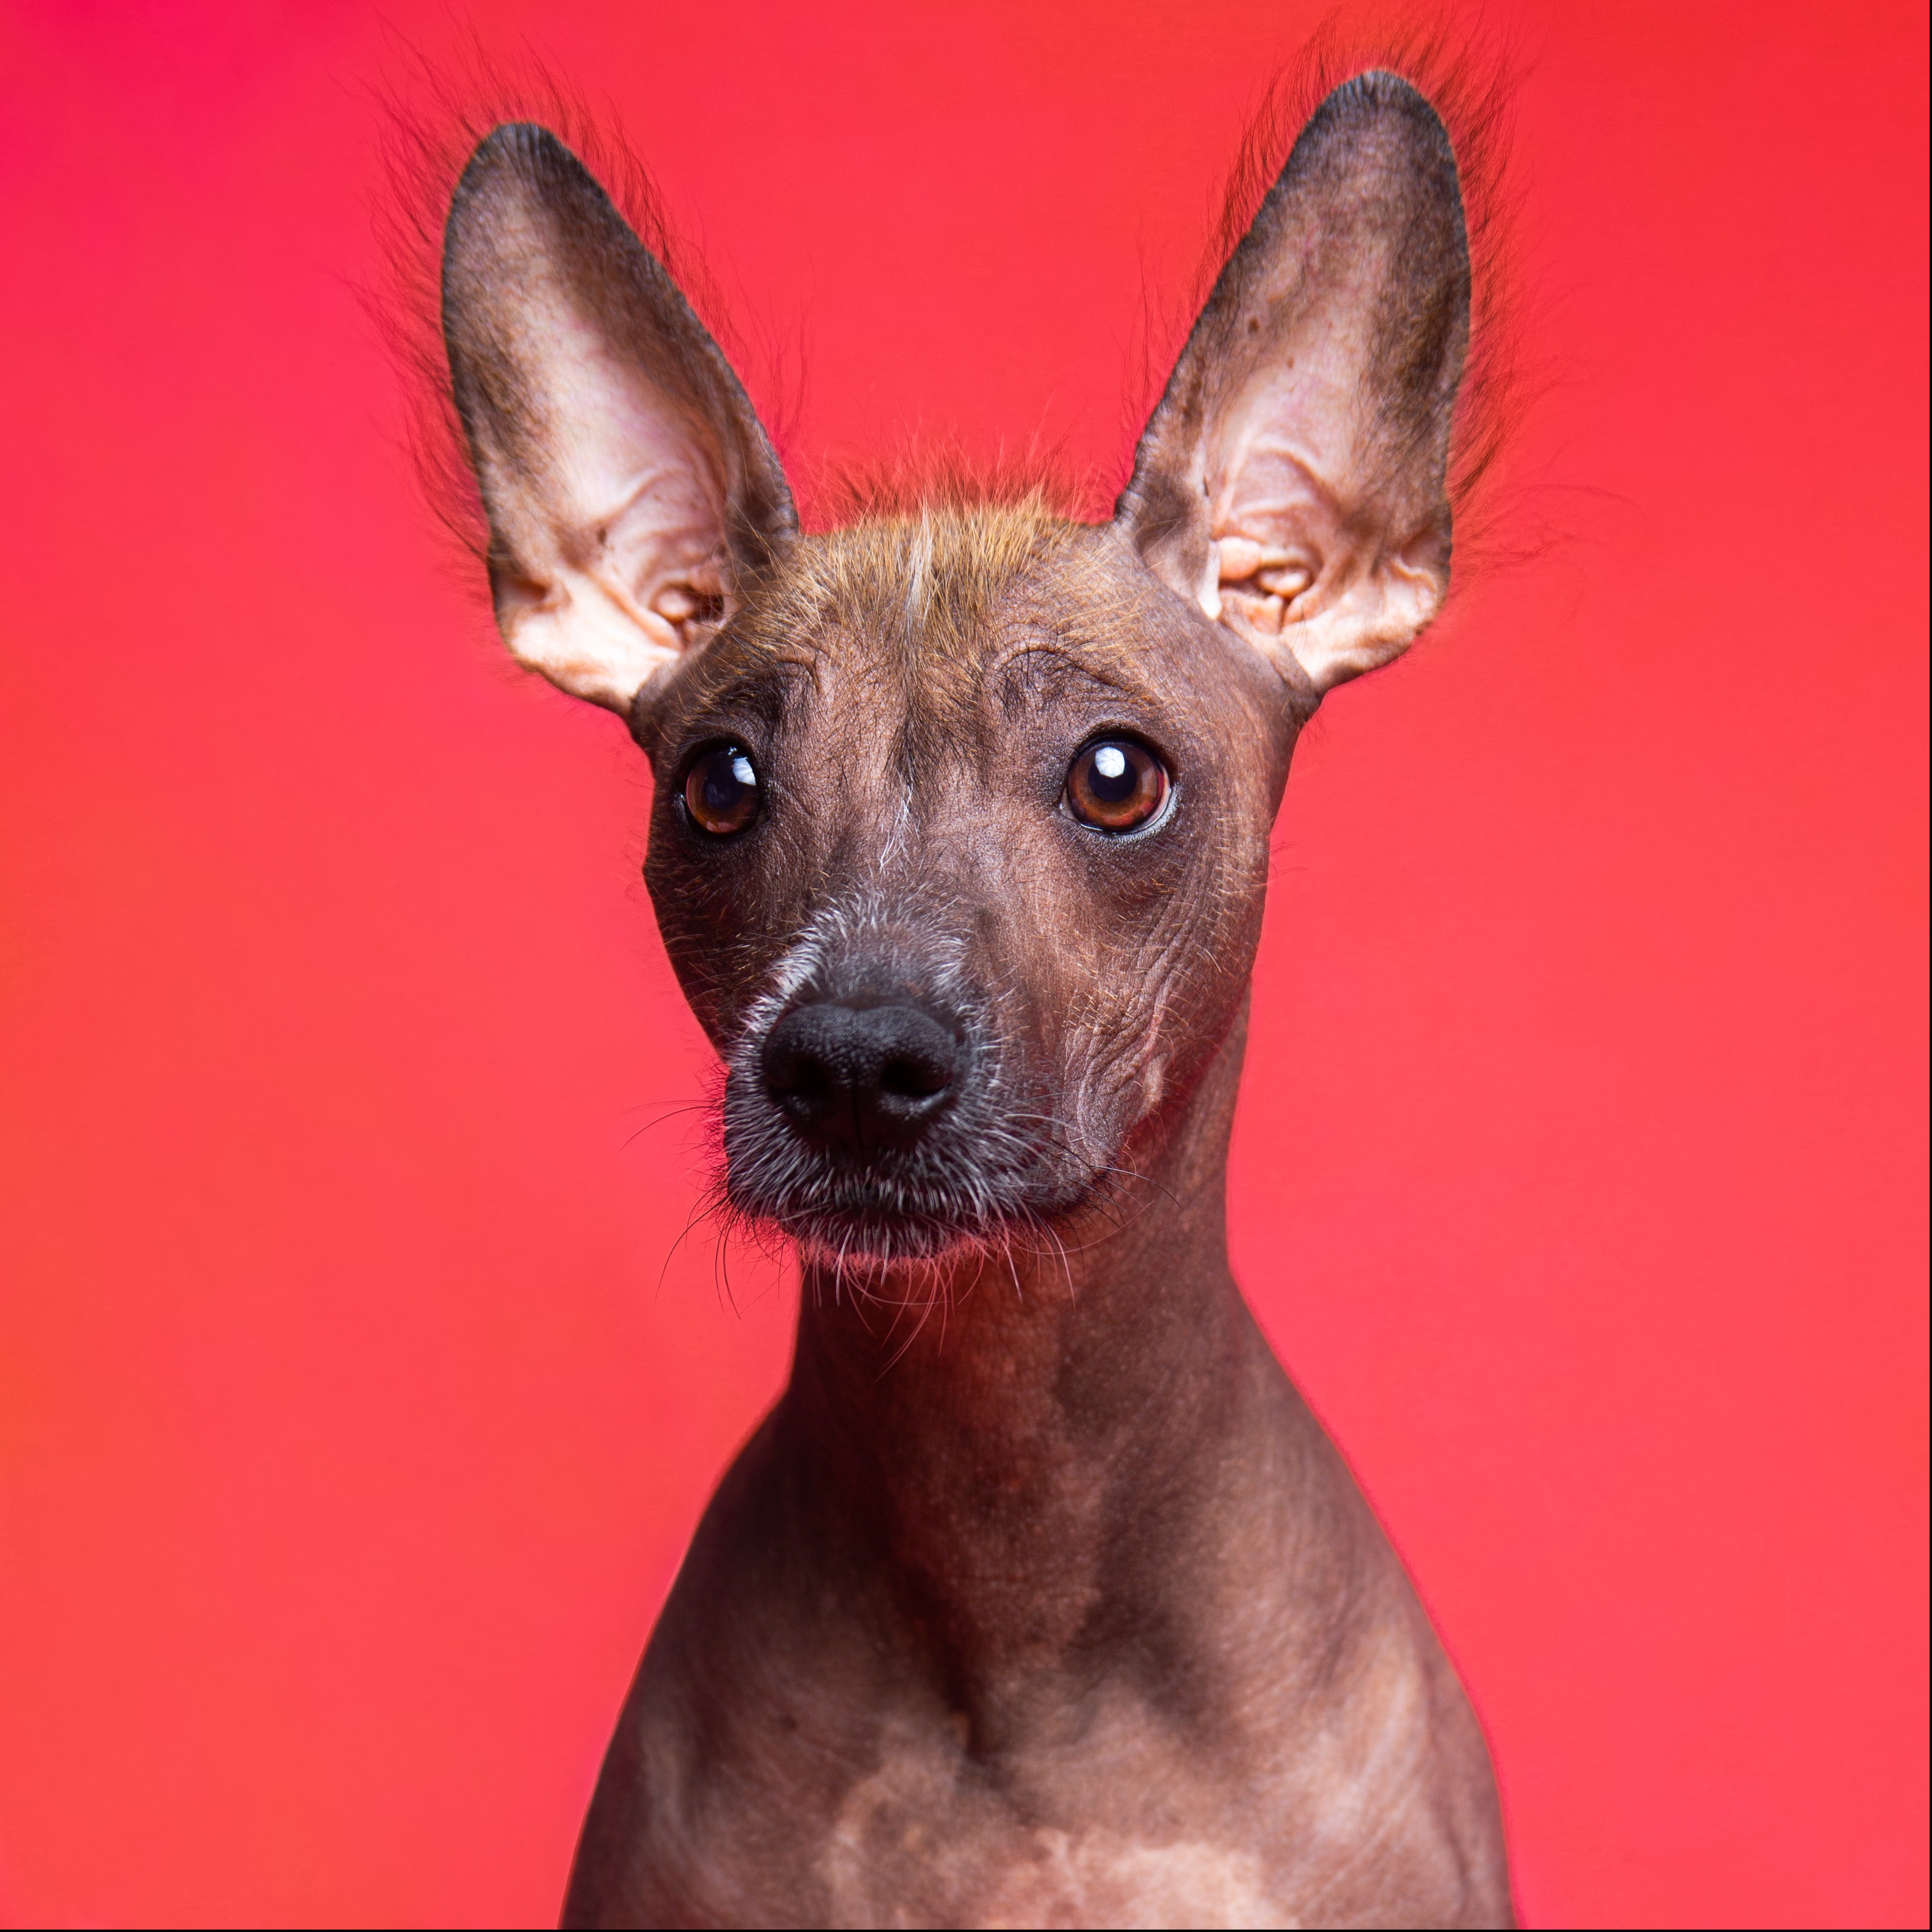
874,1238
868,1229
859,1246
879,1221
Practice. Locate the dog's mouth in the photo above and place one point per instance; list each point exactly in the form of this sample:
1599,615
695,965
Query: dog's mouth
883,1129
976,1182
879,1233
868,1213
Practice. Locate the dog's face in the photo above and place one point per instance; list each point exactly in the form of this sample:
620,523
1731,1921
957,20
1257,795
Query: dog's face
960,835
960,831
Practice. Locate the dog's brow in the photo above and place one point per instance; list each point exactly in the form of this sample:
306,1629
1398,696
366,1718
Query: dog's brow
765,684
1039,670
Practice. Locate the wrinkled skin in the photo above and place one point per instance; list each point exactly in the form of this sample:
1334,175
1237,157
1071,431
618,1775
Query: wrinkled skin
1040,1598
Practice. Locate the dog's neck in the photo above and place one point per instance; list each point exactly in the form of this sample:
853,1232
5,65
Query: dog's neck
1038,1445
1062,1613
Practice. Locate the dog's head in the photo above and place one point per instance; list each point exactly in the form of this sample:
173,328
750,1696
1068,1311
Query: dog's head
961,826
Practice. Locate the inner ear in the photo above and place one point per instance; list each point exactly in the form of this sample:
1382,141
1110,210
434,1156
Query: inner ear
630,489
1292,480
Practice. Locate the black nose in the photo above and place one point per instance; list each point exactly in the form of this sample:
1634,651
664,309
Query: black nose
861,1077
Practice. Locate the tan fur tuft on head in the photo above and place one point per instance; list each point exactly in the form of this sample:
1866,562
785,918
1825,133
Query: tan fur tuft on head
930,574
946,476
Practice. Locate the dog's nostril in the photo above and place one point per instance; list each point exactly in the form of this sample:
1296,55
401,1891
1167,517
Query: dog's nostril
909,1079
796,1076
865,1078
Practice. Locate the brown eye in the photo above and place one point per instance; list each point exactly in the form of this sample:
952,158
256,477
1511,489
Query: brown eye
1116,785
720,790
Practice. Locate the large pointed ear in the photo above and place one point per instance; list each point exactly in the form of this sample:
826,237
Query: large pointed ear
1291,479
629,487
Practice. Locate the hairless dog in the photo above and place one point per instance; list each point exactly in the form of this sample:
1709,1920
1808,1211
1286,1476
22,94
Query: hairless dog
1040,1598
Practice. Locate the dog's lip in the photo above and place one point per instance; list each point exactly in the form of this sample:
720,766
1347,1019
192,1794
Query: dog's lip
866,1238
887,1219
805,1216
879,1216
889,1200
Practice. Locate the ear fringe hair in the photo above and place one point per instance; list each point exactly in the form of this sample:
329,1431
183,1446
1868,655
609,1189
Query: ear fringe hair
432,115
1469,73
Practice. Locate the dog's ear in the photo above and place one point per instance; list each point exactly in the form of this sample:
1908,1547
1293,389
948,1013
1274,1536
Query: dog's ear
629,487
1292,480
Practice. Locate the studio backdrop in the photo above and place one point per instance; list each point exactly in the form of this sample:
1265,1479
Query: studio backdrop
363,1369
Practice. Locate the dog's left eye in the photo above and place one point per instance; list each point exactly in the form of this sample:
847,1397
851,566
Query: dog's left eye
1117,785
720,790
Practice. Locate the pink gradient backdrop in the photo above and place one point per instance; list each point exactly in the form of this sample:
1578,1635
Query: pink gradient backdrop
352,1422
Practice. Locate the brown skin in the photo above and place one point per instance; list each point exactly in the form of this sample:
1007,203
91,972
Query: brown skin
1040,1598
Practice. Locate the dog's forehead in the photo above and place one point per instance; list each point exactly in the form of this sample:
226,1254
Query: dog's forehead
937,621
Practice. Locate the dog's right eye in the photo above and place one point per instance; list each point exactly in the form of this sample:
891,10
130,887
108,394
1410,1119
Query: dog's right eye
720,790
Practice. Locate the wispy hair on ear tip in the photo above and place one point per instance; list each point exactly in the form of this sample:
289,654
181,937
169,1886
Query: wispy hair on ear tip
1469,73
431,115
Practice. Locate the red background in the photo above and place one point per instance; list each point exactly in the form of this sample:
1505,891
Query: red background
351,1421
